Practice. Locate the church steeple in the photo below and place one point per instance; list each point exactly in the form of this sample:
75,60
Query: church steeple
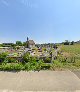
27,43
27,39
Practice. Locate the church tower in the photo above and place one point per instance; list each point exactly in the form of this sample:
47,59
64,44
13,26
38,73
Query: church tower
27,43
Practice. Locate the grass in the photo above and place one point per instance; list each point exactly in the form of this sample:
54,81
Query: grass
75,49
72,52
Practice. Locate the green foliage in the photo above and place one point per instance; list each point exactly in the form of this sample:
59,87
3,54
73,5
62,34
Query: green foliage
30,63
13,46
63,59
71,49
66,42
24,43
19,43
45,66
47,60
26,58
10,66
34,66
44,49
58,64
72,43
3,56
1,45
10,60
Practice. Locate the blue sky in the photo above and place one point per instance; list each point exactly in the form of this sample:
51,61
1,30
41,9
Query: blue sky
44,21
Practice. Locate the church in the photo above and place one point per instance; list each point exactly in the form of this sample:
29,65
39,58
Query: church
30,43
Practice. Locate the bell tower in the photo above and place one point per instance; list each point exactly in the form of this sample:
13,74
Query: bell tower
27,43
27,39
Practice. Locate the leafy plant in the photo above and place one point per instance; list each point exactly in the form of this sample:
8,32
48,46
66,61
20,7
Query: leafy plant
3,57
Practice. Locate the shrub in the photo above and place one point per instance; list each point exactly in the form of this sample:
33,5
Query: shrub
11,67
10,60
57,65
26,58
47,60
33,65
45,66
3,57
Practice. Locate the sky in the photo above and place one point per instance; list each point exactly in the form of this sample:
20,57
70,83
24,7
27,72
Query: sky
44,21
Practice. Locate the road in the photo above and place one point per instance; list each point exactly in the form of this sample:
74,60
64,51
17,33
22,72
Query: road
56,81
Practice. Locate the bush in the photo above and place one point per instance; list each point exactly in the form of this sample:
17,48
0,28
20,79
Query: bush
11,67
3,57
10,60
33,65
26,58
57,65
47,60
45,66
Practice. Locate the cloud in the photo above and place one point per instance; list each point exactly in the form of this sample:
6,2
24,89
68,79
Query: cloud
5,2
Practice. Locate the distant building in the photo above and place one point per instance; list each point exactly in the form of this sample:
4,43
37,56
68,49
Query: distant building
30,43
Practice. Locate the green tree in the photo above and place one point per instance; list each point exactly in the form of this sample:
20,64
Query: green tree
72,43
66,42
19,43
24,43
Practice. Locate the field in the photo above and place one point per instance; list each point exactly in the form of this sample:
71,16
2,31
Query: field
71,53
74,49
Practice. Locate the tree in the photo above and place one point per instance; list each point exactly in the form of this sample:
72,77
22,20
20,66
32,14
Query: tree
66,42
1,45
24,43
72,43
19,43
13,46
